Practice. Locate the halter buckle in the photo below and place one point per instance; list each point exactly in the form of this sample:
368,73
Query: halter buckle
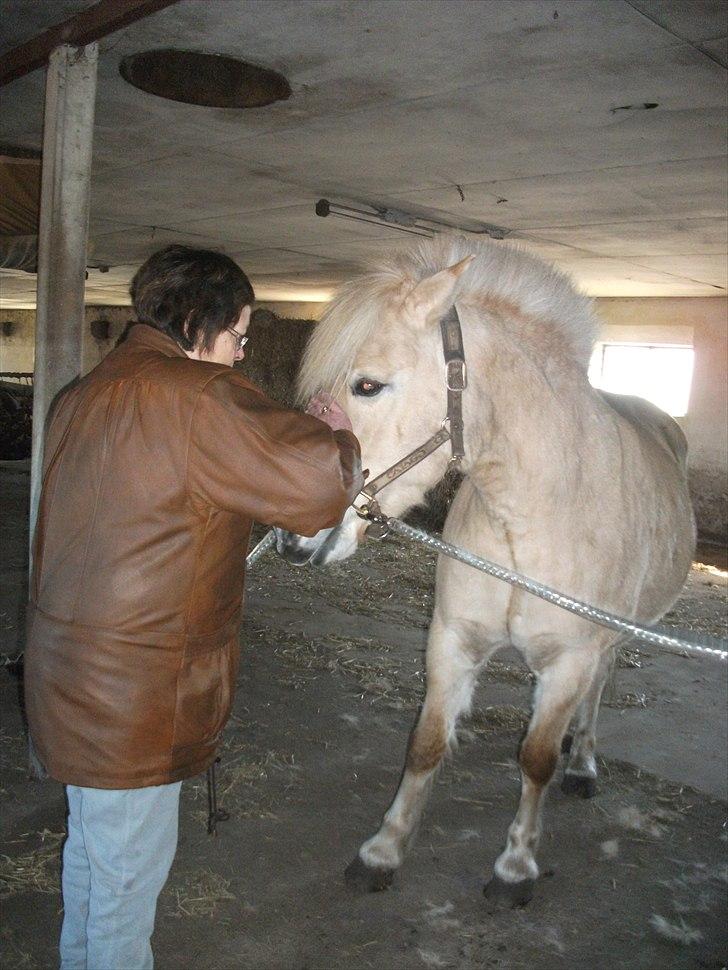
456,375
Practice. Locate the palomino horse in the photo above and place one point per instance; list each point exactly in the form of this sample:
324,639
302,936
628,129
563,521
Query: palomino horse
581,490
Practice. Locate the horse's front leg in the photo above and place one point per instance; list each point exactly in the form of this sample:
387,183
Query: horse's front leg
561,686
451,675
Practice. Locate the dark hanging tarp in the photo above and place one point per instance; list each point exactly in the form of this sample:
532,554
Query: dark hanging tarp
19,202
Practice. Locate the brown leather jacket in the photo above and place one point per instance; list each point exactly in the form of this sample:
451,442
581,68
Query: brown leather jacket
155,466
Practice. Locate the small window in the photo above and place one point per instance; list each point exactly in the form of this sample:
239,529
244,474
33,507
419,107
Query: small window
661,373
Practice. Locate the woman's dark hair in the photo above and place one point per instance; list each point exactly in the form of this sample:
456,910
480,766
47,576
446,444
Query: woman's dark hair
192,295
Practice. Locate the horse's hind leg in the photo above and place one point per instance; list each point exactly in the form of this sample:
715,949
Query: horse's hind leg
451,673
560,688
580,776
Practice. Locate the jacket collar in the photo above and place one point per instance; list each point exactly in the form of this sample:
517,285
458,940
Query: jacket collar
142,335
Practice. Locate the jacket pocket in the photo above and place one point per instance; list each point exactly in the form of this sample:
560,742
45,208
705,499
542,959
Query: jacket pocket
205,689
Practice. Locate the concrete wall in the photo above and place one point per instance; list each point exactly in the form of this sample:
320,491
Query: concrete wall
17,351
703,322
700,321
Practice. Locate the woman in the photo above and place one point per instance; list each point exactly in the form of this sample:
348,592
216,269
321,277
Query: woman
156,465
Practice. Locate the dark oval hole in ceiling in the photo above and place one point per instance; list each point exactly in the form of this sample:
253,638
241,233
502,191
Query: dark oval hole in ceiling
211,80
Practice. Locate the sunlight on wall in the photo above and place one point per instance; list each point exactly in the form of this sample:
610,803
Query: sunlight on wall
661,373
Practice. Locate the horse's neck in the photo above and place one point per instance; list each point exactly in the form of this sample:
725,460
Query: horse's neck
534,412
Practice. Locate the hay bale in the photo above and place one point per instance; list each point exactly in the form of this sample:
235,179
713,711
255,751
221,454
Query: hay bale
274,352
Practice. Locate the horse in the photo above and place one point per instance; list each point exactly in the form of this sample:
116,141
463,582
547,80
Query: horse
582,490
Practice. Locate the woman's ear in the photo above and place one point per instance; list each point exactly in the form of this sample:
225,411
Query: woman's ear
433,295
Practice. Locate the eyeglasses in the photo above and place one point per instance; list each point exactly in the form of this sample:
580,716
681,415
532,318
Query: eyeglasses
241,339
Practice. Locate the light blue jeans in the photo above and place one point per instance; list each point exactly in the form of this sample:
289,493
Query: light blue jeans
116,860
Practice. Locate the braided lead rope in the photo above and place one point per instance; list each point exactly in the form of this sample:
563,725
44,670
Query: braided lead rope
659,636
268,540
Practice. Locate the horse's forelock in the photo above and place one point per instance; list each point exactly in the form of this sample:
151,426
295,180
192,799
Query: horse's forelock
347,323
500,270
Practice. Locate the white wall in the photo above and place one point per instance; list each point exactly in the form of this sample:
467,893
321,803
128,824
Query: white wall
17,351
702,321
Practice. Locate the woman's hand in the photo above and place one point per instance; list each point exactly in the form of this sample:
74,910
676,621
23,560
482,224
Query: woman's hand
325,408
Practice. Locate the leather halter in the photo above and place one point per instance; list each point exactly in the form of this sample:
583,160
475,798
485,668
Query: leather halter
456,380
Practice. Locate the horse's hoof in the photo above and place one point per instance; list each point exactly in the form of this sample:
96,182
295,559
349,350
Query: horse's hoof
361,878
583,785
566,743
501,895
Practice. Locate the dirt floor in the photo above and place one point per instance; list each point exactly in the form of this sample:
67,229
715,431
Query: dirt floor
331,678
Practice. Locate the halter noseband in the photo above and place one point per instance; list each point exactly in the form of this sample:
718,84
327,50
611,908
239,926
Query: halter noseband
456,380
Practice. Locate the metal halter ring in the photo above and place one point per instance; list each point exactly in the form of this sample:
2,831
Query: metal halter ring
378,527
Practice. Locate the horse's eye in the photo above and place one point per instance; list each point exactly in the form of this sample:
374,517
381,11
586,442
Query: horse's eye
365,387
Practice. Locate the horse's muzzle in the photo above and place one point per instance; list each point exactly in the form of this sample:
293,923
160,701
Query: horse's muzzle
291,548
304,550
326,546
293,555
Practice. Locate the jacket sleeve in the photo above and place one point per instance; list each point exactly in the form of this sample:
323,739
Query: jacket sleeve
250,456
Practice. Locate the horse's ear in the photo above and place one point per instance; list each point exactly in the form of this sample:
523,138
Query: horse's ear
434,294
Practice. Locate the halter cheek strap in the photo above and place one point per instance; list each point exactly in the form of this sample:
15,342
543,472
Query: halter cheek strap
456,380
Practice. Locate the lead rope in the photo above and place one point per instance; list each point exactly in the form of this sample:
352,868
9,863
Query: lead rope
214,814
658,636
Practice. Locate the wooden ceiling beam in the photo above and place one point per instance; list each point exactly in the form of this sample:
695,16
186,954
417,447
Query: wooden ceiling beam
92,24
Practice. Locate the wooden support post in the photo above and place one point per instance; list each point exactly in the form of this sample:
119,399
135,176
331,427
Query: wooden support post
62,237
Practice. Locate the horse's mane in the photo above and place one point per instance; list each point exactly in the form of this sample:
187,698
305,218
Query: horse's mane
500,272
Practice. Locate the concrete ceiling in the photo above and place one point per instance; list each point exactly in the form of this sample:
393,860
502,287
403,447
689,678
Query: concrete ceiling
510,112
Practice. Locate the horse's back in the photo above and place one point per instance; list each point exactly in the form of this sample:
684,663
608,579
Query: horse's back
647,418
